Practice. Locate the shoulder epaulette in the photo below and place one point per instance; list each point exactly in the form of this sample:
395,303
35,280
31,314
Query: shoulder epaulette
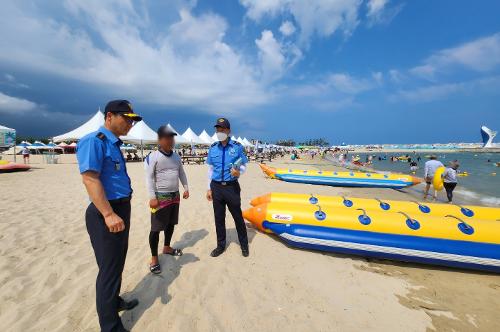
101,136
236,142
214,144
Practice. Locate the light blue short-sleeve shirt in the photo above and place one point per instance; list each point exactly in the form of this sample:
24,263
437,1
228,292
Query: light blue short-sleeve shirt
100,152
222,159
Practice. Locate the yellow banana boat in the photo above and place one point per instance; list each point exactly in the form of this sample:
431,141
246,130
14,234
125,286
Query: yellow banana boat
448,241
410,207
343,179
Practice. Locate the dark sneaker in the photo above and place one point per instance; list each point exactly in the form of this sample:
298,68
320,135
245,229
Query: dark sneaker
127,305
217,252
245,252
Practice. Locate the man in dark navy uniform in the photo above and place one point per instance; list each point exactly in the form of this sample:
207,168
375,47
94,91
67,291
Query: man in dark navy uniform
105,177
226,161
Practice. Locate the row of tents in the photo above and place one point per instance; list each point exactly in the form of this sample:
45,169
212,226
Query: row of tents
141,133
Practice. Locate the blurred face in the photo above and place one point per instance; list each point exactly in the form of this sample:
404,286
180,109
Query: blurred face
166,143
119,124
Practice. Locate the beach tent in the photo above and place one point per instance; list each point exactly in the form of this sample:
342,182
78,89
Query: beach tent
214,137
205,137
140,133
178,139
246,142
91,125
239,140
192,138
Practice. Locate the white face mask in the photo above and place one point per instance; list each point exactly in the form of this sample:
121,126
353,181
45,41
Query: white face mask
221,136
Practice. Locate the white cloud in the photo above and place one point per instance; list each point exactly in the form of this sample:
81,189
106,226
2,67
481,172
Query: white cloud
479,55
271,55
287,28
348,84
321,17
443,91
9,104
378,77
106,44
396,76
379,12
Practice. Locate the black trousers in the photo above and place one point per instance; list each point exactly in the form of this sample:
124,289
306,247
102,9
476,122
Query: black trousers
228,195
449,187
110,251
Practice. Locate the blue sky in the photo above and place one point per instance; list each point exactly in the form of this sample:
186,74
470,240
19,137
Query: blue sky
355,71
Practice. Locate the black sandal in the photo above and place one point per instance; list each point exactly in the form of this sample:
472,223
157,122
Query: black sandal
175,252
155,269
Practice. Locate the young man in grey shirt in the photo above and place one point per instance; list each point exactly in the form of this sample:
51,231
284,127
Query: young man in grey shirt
163,172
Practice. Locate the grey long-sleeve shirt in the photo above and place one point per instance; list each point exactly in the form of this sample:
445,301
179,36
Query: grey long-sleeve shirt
163,173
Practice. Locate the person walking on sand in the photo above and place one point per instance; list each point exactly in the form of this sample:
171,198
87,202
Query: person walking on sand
226,162
450,179
163,172
26,155
105,177
429,169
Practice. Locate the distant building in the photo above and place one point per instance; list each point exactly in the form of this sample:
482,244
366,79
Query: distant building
487,135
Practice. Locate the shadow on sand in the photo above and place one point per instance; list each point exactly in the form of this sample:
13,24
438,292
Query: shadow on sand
152,286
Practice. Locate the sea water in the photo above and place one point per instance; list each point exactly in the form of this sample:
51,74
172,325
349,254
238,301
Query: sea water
482,185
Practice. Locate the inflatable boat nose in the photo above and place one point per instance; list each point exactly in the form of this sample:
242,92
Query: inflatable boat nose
256,215
416,180
261,200
270,171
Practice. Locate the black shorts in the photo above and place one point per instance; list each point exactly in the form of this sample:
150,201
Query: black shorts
165,217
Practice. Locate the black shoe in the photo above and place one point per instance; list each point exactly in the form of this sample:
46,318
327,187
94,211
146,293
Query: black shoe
127,305
245,252
217,252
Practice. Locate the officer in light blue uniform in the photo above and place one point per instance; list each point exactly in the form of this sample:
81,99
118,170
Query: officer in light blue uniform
226,161
105,177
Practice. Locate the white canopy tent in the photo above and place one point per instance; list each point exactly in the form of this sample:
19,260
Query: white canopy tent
91,125
246,142
192,138
214,137
178,139
205,137
140,133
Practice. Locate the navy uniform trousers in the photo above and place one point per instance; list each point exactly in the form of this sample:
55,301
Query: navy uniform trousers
228,195
110,250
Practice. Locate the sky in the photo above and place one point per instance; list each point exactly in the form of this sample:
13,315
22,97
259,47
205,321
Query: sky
353,71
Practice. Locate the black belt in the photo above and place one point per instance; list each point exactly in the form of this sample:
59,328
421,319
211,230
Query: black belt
226,183
120,200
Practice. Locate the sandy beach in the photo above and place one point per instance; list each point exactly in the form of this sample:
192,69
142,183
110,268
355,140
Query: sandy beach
48,268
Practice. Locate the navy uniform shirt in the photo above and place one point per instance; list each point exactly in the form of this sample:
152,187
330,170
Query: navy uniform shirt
222,159
100,152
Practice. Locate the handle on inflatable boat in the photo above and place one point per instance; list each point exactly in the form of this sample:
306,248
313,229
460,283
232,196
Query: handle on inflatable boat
347,202
423,208
320,215
364,219
383,205
462,225
411,223
467,212
313,200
